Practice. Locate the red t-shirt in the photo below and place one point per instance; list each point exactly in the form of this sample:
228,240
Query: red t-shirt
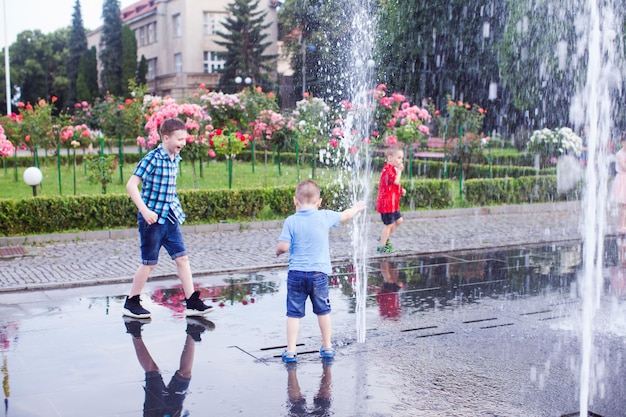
389,194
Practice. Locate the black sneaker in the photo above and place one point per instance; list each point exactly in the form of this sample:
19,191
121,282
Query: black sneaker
195,306
198,325
133,308
133,325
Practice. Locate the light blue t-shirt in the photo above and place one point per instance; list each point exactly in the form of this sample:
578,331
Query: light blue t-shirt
306,231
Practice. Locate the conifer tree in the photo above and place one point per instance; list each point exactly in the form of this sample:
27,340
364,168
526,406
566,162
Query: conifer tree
87,80
77,49
129,57
244,35
111,53
142,71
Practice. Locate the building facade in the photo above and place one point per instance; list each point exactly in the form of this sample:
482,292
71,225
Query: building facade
177,39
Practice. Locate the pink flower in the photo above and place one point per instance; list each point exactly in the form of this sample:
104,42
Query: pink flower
391,140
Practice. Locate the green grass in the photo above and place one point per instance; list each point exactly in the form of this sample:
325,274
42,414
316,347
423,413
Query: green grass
214,176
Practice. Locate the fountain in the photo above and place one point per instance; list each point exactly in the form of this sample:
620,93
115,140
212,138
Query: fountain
596,94
591,109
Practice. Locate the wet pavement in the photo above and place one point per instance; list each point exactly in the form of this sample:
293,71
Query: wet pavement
478,314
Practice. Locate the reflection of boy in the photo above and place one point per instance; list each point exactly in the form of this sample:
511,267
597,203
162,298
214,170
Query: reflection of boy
389,192
322,400
166,400
388,297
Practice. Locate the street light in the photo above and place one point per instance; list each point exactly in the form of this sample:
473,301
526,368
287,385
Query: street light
33,177
247,81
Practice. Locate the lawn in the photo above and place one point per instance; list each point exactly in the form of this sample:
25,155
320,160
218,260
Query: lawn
214,176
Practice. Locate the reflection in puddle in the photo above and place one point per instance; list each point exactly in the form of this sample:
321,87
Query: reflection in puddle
241,290
398,285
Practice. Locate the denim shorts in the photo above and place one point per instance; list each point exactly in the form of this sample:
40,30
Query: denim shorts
390,218
163,400
302,285
153,236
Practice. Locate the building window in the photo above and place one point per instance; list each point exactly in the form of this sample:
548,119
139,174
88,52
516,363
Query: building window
178,63
142,36
213,22
152,33
151,75
178,26
212,62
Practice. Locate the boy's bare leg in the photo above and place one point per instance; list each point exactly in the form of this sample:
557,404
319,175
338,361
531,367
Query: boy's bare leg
145,360
140,278
293,327
386,232
184,274
186,358
326,329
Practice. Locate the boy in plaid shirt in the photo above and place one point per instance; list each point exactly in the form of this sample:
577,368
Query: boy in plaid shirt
159,219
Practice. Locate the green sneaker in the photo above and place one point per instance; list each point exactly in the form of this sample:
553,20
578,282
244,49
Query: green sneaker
389,245
384,249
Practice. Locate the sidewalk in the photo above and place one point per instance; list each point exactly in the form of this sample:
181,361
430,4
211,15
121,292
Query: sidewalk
107,257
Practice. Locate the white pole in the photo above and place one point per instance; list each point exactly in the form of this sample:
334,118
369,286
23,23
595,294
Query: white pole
7,69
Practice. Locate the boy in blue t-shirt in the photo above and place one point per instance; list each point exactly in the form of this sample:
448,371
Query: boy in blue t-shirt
305,236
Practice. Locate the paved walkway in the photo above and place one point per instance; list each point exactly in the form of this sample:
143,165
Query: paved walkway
56,261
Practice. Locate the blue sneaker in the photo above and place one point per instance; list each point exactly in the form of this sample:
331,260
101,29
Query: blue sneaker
327,352
289,357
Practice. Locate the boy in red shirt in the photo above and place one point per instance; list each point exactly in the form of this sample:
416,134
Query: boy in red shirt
389,193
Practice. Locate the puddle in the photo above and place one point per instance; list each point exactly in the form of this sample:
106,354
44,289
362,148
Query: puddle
483,333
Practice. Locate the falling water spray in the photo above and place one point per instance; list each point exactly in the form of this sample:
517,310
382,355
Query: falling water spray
360,77
602,78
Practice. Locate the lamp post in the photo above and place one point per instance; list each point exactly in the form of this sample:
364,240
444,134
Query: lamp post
33,177
247,81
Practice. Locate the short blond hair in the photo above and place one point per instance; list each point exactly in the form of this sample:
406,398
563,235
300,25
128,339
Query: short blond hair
393,150
308,192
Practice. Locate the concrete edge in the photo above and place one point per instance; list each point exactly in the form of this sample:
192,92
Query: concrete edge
275,224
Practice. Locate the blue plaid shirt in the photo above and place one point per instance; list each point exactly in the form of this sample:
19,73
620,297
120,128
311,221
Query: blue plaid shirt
158,184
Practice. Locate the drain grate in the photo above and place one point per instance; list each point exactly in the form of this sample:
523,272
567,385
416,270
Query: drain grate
497,325
11,251
479,320
536,312
434,334
418,328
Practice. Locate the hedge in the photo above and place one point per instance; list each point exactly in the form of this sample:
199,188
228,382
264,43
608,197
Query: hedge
42,215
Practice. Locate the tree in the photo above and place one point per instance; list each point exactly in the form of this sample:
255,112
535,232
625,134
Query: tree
539,63
243,39
87,80
142,71
317,34
129,58
38,65
435,48
77,49
111,74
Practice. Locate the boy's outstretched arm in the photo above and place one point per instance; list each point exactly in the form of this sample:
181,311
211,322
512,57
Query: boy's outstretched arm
281,248
352,211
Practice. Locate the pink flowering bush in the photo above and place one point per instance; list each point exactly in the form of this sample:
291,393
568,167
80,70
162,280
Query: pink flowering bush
409,123
195,117
225,110
6,147
270,128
